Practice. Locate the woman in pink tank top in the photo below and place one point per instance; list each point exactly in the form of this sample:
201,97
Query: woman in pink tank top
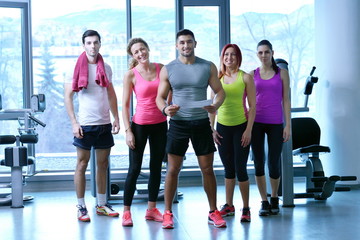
148,123
273,120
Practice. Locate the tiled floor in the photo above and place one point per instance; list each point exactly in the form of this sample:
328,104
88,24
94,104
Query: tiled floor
52,215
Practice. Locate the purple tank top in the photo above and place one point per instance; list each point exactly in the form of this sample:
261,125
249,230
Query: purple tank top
268,99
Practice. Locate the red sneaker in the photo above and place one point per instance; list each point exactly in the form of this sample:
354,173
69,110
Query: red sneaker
226,210
246,216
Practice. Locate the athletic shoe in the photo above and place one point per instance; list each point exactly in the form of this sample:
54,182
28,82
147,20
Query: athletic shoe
126,219
106,210
226,210
246,216
216,219
265,208
154,215
168,222
274,205
82,214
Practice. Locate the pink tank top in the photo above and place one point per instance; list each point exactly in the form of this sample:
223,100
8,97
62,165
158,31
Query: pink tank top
146,110
268,99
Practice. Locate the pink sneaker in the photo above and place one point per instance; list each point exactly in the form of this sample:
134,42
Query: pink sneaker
216,219
154,215
126,219
168,222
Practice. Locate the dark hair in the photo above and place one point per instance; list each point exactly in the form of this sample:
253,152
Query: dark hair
222,70
185,32
273,63
89,33
131,42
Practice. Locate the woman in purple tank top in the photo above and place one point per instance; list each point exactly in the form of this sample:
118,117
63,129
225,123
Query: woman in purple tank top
273,120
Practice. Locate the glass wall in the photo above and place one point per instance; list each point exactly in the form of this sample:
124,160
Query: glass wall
57,44
56,39
11,75
289,26
13,46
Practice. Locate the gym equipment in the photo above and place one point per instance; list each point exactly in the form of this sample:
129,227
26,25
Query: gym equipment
16,158
19,156
306,144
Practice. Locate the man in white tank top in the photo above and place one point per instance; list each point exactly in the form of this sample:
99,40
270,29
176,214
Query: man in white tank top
92,126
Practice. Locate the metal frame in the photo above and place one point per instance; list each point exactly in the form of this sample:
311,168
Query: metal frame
27,71
224,16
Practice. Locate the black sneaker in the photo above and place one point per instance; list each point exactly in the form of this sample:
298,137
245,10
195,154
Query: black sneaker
274,205
265,208
246,215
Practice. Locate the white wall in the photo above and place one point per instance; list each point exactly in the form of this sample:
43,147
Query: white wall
338,63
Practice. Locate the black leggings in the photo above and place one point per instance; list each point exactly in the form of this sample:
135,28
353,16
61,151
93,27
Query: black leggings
233,156
274,134
156,133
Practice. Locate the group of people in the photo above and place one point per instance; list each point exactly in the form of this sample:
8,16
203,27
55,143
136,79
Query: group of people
244,108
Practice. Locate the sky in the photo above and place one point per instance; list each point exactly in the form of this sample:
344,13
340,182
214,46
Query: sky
52,8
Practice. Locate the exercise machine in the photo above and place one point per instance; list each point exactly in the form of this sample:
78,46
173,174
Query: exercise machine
305,142
19,156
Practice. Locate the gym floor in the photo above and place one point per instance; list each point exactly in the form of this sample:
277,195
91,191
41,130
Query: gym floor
52,215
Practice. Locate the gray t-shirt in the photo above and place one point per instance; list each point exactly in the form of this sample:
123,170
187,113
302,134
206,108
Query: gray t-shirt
189,83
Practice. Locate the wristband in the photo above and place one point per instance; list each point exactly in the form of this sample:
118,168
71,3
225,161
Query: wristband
163,111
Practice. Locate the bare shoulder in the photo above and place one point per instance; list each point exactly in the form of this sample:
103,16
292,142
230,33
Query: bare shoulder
129,76
247,77
284,74
252,72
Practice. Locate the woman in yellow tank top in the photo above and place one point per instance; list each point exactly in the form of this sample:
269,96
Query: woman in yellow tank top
235,119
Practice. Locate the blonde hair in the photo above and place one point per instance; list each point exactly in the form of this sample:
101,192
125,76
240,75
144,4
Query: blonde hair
132,41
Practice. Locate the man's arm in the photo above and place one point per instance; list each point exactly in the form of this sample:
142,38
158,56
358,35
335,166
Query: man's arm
218,90
113,108
163,93
69,105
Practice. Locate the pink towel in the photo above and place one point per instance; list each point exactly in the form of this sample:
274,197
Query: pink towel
80,78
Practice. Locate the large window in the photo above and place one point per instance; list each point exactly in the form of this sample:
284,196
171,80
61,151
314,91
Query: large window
57,44
288,25
57,27
15,73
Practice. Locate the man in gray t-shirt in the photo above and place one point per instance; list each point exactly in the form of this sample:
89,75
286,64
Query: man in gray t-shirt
188,78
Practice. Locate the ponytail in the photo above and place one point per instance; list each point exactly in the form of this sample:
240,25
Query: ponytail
274,65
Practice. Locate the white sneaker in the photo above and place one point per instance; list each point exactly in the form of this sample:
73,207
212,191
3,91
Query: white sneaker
106,210
82,214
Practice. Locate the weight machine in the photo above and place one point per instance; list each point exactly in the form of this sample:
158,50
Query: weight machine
19,156
305,142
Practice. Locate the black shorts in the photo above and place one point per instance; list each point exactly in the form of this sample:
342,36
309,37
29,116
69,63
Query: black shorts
199,131
97,136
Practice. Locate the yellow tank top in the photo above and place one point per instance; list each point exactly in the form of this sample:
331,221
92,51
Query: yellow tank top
233,111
